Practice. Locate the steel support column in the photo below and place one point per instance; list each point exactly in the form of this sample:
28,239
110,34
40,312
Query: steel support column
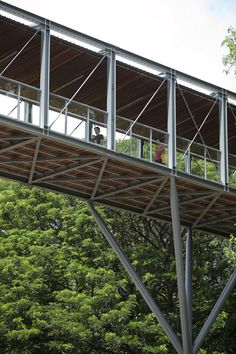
171,107
137,281
214,313
45,75
223,131
188,277
111,99
184,318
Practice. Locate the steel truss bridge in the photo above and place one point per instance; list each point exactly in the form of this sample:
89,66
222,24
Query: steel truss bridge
57,84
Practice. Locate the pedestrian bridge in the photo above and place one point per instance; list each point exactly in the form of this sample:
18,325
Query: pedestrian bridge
57,84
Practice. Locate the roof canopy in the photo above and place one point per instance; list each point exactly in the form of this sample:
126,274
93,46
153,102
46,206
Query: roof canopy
72,63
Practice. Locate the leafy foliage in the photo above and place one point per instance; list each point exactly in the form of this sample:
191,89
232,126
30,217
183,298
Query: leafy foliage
229,59
62,289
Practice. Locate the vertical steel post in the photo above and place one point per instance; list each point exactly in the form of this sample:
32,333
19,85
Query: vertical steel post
45,75
214,313
111,99
187,347
139,148
223,131
150,146
188,277
135,278
18,101
187,161
66,118
171,107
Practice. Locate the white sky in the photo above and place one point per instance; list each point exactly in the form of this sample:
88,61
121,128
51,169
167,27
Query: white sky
183,34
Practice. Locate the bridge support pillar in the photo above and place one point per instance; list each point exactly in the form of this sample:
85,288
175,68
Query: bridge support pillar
184,315
137,281
184,280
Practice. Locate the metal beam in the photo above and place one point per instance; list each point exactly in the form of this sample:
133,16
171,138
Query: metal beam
223,132
171,106
36,151
68,83
104,45
193,200
17,145
127,187
214,313
184,318
49,159
216,221
111,99
188,277
99,178
16,137
156,194
7,56
135,278
206,209
132,196
45,74
107,178
64,169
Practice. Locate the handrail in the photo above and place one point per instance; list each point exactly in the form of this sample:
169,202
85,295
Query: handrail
19,83
147,138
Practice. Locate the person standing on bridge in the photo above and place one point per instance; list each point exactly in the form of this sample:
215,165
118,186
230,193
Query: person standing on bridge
98,138
159,153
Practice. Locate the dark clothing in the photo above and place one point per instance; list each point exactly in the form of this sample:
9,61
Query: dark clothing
98,139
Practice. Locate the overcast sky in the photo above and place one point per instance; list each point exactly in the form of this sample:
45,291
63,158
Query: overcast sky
183,34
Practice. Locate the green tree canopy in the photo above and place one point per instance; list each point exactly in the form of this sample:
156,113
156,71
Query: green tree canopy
62,289
229,42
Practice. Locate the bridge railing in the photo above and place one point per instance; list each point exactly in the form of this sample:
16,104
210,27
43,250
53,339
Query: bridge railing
198,159
140,140
19,101
76,119
22,102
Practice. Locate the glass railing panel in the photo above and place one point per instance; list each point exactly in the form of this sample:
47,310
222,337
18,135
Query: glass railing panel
123,135
29,104
9,98
96,127
198,159
141,141
159,146
57,113
77,110
76,127
232,171
213,157
197,165
182,155
76,118
19,101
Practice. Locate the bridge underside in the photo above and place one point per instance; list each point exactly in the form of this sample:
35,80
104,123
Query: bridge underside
66,165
